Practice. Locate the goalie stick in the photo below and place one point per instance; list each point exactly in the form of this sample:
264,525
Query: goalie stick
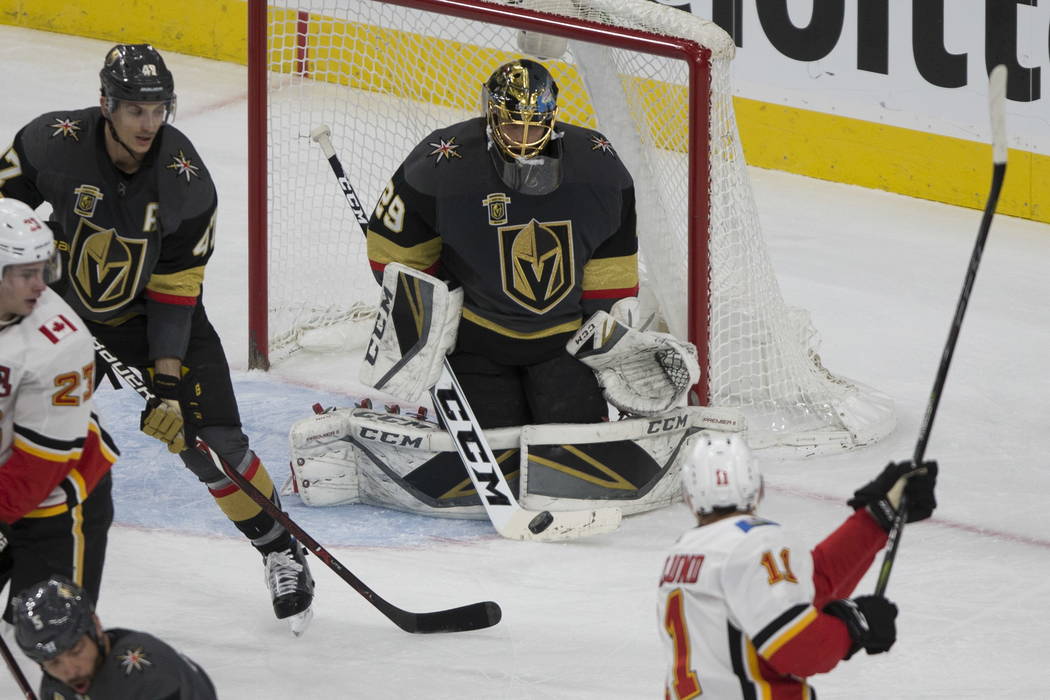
509,518
464,618
16,671
997,110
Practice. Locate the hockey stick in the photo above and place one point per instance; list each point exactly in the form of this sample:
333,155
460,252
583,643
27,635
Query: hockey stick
16,671
997,109
509,518
467,617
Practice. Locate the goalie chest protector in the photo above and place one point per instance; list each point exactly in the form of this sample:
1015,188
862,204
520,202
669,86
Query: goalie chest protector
520,257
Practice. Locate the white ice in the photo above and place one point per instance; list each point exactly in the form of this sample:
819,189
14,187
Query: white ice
880,274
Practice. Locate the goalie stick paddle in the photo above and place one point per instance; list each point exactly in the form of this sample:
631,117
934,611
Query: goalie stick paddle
16,671
509,518
462,619
997,110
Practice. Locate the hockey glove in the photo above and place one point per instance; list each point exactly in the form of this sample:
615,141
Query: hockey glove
162,417
870,620
5,536
883,495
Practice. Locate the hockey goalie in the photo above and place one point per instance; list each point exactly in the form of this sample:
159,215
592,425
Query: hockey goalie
507,243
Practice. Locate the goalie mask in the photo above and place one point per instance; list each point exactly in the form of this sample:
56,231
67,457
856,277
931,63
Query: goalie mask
721,473
51,617
25,239
520,101
136,73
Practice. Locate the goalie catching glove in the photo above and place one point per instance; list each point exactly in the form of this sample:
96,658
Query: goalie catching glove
162,417
641,373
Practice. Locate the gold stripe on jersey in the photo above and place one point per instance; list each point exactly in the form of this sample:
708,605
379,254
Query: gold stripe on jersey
567,327
383,251
67,450
184,283
76,481
754,670
789,632
611,273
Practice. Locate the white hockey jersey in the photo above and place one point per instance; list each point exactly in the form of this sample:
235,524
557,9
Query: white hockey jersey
740,605
53,450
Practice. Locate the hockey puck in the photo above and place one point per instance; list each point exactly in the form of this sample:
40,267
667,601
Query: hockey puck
541,522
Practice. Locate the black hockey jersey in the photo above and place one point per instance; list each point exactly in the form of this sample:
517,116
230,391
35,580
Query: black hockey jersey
131,244
138,667
532,266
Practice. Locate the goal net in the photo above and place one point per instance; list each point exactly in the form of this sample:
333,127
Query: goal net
655,80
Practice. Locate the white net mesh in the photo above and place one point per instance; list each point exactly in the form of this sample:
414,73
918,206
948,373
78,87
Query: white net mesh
383,76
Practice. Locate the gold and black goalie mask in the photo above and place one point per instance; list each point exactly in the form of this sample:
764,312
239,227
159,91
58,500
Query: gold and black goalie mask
521,106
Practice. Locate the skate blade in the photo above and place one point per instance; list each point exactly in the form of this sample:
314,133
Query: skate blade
300,621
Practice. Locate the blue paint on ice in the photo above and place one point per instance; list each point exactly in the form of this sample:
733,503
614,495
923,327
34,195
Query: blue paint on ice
153,489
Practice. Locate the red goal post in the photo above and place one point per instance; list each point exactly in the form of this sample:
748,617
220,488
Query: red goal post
653,79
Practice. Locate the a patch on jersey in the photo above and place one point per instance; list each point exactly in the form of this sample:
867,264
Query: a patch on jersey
66,128
57,327
133,660
88,197
536,262
104,266
183,166
445,149
746,524
600,143
497,205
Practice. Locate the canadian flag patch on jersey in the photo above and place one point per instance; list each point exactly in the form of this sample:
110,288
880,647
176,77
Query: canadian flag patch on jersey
57,328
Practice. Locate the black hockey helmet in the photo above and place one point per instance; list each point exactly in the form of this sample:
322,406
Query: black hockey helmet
521,93
136,73
51,617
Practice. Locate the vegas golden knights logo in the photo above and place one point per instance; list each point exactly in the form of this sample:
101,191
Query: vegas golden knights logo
497,205
536,262
104,266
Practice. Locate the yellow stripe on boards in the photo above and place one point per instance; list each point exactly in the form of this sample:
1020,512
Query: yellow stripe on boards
825,146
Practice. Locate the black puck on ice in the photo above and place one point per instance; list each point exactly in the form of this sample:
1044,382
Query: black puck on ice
540,522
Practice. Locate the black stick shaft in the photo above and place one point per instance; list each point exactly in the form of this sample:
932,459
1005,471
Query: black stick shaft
998,176
16,671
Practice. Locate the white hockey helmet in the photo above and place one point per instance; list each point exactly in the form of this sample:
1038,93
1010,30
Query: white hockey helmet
26,239
721,472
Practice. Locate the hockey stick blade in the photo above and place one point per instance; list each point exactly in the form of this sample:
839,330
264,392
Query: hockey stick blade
997,116
507,516
462,619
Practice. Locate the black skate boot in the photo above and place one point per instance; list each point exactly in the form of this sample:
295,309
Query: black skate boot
291,586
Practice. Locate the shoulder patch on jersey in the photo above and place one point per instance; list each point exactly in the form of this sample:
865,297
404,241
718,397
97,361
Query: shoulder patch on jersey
66,128
445,149
57,327
133,660
182,165
600,143
746,524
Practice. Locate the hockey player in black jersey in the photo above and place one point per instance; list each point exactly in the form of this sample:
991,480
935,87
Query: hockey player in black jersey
56,626
535,219
134,214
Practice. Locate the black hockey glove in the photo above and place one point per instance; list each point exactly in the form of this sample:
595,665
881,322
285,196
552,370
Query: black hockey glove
162,417
5,536
883,495
870,620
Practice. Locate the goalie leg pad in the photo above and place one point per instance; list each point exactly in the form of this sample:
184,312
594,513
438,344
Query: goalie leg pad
633,464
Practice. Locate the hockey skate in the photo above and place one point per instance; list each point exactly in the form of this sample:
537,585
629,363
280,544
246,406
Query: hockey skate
291,586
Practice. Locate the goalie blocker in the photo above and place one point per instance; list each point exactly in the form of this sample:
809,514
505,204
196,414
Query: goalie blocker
359,455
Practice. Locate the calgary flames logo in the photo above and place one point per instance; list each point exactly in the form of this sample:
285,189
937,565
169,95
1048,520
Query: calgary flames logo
537,263
105,266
